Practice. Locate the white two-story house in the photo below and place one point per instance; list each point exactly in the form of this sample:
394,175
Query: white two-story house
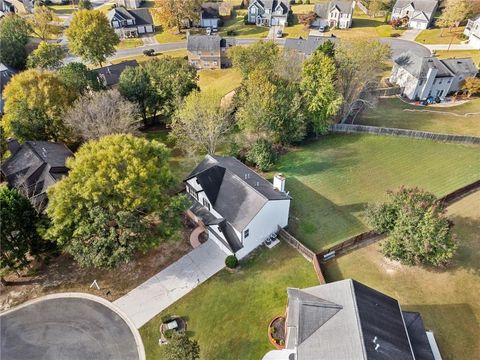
419,13
472,30
268,12
425,77
239,208
128,23
334,14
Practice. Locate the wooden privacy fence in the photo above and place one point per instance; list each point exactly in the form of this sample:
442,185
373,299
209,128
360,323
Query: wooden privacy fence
302,249
459,193
378,130
347,245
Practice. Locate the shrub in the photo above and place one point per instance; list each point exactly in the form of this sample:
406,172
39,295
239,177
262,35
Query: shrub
307,2
395,35
169,333
231,33
231,261
262,155
149,52
245,19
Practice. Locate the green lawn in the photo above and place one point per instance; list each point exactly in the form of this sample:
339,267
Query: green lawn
440,36
241,30
224,80
142,58
390,112
229,314
63,9
129,43
447,298
333,179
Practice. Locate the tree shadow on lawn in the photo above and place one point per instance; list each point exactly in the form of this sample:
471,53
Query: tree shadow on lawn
455,327
318,222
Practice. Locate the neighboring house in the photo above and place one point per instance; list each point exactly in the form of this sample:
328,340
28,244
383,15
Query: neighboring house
20,7
419,13
239,208
129,4
334,14
208,51
109,75
472,30
6,73
268,12
425,77
209,15
130,23
350,321
307,47
35,166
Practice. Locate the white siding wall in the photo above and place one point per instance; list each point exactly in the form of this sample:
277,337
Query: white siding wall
403,78
272,215
212,236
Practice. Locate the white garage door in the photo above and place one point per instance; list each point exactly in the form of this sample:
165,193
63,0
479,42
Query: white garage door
141,30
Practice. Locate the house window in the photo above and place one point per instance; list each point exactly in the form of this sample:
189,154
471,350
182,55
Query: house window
206,204
246,233
253,10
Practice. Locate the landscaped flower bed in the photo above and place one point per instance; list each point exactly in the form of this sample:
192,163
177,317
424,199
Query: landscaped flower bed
276,332
169,326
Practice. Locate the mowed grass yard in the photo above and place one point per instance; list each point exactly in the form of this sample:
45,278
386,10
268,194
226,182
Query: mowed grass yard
446,298
229,314
223,80
392,112
332,180
440,36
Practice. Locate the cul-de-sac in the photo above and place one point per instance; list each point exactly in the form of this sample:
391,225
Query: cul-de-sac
239,179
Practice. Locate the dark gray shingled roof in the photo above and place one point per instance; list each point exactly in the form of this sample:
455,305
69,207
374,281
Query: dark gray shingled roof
111,73
210,10
309,45
142,16
204,43
460,66
418,66
234,190
6,73
426,6
347,320
273,4
323,9
38,165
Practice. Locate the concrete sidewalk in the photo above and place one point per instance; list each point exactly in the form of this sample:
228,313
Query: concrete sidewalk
453,47
159,292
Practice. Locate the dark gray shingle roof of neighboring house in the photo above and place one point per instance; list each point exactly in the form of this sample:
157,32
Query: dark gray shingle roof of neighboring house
323,9
121,13
417,335
235,191
461,66
307,46
142,16
418,66
110,74
427,6
203,43
210,10
36,164
6,73
273,4
346,320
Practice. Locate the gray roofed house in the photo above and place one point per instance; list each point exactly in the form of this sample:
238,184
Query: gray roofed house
420,13
209,15
348,320
208,51
268,12
34,166
239,207
472,31
110,75
6,73
334,14
425,77
307,47
128,23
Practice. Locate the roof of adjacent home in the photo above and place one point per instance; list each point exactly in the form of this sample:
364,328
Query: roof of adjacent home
140,16
307,46
418,66
348,320
6,73
207,43
36,164
273,4
210,10
344,6
235,191
111,73
427,6
464,66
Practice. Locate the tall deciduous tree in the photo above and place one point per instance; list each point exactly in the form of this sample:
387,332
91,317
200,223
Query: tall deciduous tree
173,13
472,86
454,13
114,198
14,33
261,55
318,88
359,65
180,347
18,231
102,113
36,101
46,56
91,37
79,78
44,23
201,123
418,230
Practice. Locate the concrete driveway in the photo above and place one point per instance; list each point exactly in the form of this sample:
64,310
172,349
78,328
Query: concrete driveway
159,292
68,326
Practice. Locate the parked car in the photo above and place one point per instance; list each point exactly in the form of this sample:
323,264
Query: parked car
209,30
279,34
322,28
